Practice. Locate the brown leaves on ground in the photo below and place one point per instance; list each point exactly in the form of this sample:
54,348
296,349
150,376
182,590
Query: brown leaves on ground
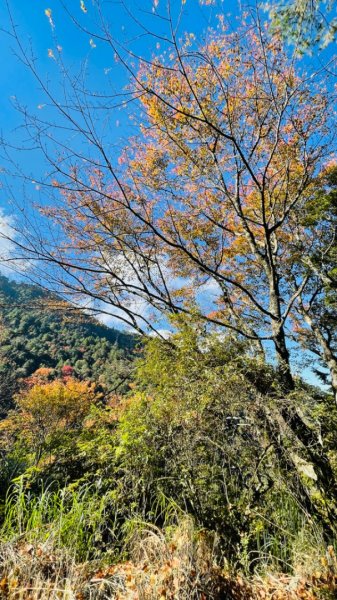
140,582
182,567
185,569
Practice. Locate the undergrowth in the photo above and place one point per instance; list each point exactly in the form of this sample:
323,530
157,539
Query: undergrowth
68,518
191,487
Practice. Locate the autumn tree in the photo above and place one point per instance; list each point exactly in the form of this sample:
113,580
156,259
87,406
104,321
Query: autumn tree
205,198
47,412
197,214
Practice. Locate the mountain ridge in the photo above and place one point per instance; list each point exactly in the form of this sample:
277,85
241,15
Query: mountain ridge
34,334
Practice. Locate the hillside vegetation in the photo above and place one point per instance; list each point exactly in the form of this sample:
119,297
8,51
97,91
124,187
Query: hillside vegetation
38,330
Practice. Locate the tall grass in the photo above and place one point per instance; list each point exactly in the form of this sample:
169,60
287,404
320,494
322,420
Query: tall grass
285,537
76,519
50,544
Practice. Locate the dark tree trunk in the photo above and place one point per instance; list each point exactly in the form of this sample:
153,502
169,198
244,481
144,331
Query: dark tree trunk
327,515
278,333
283,360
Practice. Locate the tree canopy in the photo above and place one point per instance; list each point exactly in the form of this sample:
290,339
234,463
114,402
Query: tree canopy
209,227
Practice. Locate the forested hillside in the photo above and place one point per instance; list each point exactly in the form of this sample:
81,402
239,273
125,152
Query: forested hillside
38,330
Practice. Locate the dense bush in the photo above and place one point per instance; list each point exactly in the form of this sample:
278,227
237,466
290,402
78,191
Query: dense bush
195,433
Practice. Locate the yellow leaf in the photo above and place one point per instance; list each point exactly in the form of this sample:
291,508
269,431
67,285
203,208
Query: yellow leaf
48,14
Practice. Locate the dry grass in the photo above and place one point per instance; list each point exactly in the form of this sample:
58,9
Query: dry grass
182,565
37,572
179,564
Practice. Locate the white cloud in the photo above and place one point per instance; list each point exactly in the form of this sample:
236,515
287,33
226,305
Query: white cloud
12,260
6,245
208,294
164,333
126,268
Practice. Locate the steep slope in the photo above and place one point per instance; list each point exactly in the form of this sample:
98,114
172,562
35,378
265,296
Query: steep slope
35,334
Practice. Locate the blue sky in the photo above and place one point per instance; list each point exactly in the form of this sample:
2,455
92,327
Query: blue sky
40,35
46,30
35,31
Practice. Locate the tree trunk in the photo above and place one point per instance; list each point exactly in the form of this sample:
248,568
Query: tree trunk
279,338
283,359
311,444
325,512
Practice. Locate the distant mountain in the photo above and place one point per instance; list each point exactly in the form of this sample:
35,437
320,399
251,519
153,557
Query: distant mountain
38,329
